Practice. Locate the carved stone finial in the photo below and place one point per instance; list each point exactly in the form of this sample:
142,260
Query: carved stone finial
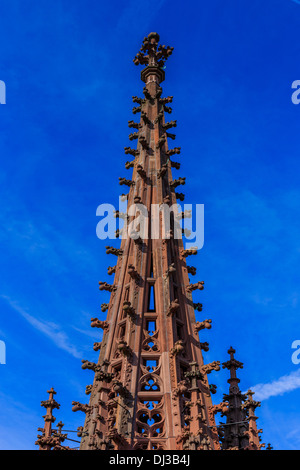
119,388
171,270
175,183
126,182
202,325
133,272
174,151
107,287
113,251
208,368
180,196
140,170
162,171
97,346
198,285
191,270
81,407
189,252
232,365
198,306
182,387
151,54
124,349
178,348
88,365
174,306
129,310
104,307
95,323
111,270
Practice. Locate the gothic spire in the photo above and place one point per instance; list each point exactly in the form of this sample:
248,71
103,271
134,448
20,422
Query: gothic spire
253,432
50,438
150,388
234,432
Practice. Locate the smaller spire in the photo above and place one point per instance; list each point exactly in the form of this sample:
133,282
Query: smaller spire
44,440
232,365
60,425
50,438
253,432
234,434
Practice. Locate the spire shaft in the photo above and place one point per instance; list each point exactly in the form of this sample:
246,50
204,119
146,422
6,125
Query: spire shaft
150,389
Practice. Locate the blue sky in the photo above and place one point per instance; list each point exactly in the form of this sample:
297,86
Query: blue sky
70,77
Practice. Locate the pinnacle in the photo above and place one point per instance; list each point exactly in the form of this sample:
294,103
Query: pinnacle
154,36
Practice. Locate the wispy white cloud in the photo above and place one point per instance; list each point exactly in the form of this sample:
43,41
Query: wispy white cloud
95,334
284,384
261,300
49,329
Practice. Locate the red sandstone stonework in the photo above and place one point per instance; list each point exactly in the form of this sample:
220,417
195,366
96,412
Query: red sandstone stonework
150,389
